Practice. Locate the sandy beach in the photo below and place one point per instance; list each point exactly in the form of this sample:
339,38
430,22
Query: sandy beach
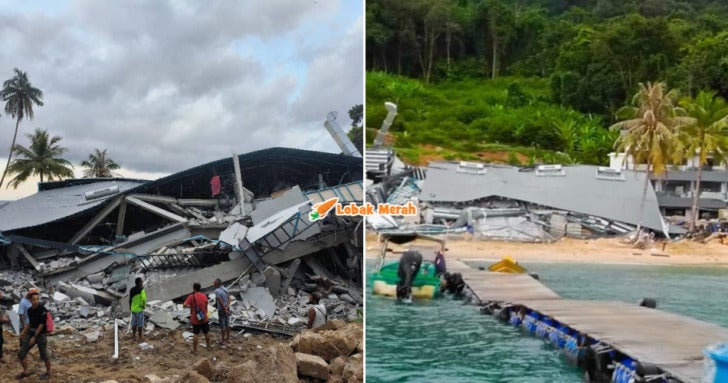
567,250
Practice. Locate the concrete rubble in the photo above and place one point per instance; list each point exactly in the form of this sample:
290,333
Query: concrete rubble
493,218
169,232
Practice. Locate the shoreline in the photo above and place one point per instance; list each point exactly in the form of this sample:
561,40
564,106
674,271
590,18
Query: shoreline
608,251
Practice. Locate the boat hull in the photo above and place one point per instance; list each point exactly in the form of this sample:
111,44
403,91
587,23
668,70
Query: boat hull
381,287
425,285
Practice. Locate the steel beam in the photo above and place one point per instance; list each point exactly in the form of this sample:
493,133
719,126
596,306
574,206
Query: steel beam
95,221
156,210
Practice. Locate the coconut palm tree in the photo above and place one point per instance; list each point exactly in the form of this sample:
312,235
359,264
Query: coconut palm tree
706,134
19,96
648,131
42,158
98,165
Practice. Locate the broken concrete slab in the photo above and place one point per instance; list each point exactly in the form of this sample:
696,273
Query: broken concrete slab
164,320
60,297
14,321
290,273
269,207
260,298
293,321
145,346
234,234
348,299
92,336
96,278
88,294
182,284
273,281
257,279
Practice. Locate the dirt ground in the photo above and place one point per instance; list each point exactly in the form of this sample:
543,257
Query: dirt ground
75,360
606,251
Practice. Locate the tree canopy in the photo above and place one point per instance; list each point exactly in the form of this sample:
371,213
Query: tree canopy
42,158
593,52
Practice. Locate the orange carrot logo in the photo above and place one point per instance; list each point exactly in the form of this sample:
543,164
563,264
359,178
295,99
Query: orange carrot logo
321,209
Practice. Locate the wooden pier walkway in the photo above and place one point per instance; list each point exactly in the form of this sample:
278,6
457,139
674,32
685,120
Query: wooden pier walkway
673,342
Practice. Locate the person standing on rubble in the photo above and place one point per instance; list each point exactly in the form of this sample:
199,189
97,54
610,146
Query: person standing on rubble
316,312
34,333
23,308
137,304
197,302
222,298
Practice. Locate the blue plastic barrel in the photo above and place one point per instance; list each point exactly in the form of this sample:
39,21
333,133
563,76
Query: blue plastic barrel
716,364
515,319
617,374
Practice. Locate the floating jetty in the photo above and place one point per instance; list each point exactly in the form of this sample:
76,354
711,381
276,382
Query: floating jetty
612,341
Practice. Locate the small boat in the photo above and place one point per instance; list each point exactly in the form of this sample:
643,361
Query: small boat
507,265
386,277
426,284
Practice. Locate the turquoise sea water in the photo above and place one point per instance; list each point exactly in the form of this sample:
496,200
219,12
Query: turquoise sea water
444,341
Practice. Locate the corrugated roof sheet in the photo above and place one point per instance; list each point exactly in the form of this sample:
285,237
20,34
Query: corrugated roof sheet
293,165
578,190
51,205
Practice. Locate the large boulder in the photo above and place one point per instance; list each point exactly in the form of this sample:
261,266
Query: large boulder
294,342
333,324
276,364
336,369
354,370
346,339
330,344
204,368
312,365
317,344
193,377
222,370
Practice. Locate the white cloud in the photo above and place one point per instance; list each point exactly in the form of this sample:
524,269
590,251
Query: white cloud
166,85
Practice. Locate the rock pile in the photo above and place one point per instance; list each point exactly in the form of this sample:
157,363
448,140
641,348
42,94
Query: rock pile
332,353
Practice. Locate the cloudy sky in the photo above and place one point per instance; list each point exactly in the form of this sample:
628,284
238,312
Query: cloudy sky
165,85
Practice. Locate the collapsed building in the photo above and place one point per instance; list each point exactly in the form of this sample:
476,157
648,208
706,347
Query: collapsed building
539,203
86,240
533,204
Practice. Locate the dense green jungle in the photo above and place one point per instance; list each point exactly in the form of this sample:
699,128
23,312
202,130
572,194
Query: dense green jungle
526,82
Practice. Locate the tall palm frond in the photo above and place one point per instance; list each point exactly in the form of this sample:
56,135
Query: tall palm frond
41,159
99,166
19,96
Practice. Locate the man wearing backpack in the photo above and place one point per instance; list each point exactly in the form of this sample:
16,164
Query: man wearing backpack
34,333
197,302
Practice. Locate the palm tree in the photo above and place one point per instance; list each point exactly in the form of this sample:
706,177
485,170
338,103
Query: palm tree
41,159
98,165
648,131
19,96
706,134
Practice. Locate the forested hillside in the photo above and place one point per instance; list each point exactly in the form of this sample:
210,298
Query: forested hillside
539,79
